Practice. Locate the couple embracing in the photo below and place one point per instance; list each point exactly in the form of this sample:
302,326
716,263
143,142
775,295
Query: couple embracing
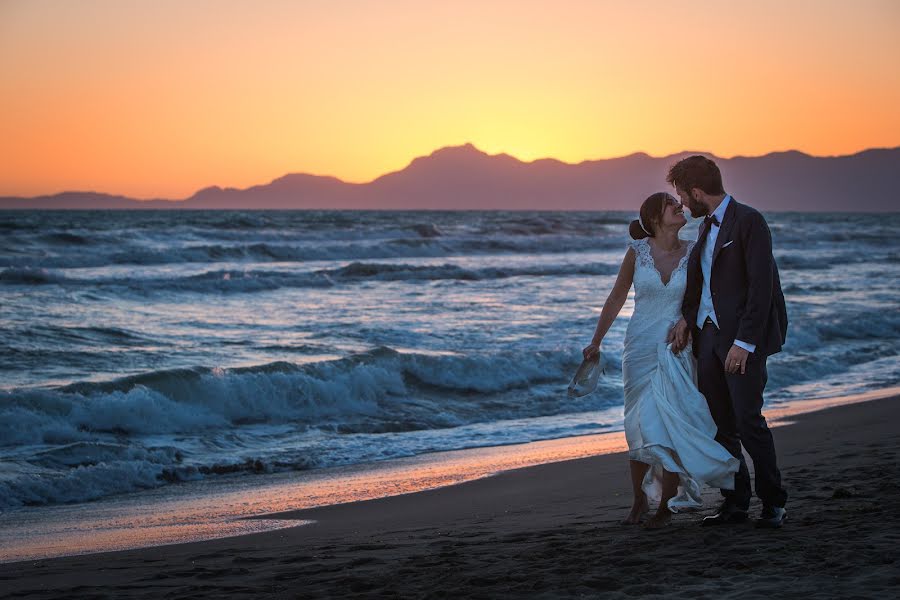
706,316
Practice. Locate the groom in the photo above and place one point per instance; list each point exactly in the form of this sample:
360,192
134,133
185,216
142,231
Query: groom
734,307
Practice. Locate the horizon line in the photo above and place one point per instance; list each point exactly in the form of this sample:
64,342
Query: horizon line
452,147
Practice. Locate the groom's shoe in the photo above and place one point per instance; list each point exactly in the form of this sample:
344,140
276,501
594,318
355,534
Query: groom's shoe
727,514
772,517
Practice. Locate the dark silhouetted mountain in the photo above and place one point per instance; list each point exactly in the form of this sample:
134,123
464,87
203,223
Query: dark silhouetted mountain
465,178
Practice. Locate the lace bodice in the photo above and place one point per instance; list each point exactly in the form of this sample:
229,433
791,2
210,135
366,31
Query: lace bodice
652,298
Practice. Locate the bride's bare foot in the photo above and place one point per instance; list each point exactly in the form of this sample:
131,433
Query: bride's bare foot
638,511
659,520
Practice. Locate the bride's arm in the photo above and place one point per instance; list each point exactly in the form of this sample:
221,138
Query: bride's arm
615,301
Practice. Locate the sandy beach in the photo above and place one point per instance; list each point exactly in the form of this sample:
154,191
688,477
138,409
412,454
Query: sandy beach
547,531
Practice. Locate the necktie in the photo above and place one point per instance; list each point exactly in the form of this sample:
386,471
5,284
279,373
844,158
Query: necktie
708,222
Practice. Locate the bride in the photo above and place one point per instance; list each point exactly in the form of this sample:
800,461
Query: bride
669,429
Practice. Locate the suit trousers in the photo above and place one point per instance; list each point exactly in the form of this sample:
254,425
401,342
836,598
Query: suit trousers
735,402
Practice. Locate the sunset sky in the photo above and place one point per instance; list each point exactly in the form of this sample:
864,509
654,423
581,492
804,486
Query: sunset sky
159,98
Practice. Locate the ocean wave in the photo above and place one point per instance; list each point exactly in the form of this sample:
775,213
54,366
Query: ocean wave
426,230
429,243
30,275
826,345
824,331
78,334
821,261
86,471
803,262
66,238
395,272
865,326
89,431
245,281
212,253
370,386
796,288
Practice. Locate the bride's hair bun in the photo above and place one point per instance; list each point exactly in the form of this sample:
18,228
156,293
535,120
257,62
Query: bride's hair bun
651,211
637,232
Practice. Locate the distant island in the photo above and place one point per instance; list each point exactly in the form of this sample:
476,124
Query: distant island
465,178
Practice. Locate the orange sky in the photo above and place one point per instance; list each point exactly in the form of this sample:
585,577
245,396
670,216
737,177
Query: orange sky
159,98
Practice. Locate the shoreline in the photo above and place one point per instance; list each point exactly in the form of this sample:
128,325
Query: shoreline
551,529
222,509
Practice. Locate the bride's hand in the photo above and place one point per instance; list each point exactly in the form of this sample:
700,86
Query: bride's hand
678,336
590,351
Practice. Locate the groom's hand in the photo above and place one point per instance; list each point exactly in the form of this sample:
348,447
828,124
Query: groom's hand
678,336
736,361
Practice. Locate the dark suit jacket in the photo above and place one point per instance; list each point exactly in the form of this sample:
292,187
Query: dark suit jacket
746,289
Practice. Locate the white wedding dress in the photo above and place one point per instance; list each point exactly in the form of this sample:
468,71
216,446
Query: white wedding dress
667,420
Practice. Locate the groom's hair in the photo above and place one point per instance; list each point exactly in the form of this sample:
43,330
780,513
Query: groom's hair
696,172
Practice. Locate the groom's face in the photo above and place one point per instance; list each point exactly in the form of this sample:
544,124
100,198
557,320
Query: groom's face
687,198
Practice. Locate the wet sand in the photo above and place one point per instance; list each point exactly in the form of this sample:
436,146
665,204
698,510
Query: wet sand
547,531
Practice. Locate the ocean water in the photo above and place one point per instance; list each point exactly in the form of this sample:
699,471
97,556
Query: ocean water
140,349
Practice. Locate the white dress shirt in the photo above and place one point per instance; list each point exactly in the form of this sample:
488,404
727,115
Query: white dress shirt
706,303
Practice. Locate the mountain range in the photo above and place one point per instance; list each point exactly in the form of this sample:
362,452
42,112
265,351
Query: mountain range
465,178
